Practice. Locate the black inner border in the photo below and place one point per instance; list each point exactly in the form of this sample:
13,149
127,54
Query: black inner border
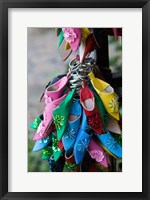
4,123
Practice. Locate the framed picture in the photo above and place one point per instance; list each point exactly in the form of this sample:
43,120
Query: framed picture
75,53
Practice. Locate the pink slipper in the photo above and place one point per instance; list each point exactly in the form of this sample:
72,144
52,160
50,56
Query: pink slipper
55,90
96,152
42,130
73,37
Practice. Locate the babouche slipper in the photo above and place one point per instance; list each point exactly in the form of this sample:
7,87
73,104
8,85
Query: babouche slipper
100,106
73,123
107,94
46,126
73,37
56,150
110,144
60,114
47,153
90,108
34,125
54,80
96,152
83,140
42,143
55,90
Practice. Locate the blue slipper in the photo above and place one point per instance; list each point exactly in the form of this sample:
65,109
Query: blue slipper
84,124
110,145
71,132
41,144
81,145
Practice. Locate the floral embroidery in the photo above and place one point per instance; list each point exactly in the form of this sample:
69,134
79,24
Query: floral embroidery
70,166
113,104
111,143
83,145
94,121
97,155
55,144
59,121
45,140
70,134
46,153
69,34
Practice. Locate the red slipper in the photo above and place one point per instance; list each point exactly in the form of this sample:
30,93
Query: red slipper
90,108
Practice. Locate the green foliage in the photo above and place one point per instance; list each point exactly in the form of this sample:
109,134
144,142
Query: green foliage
115,54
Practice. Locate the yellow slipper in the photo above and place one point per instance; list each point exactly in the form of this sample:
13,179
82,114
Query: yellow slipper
107,95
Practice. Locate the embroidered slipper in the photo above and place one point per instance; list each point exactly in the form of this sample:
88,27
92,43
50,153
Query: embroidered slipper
81,145
96,152
55,90
54,80
70,164
106,93
41,144
84,124
113,126
34,125
47,153
46,127
101,107
72,128
56,151
110,145
73,37
90,108
60,114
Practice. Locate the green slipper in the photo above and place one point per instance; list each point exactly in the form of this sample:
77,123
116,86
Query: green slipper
61,113
101,108
34,125
56,151
61,38
47,153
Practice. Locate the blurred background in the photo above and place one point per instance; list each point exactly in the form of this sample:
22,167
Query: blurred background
44,63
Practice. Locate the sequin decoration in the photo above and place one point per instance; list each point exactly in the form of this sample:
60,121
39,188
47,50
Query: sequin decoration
55,144
70,134
59,121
